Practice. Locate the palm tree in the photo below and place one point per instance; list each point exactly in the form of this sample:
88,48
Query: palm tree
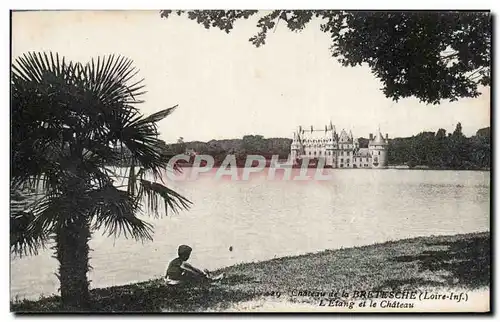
67,120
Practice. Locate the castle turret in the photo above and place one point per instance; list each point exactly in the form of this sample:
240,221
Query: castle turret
331,146
296,147
377,147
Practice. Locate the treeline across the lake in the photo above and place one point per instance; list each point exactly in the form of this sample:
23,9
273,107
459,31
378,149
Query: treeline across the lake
441,150
219,149
240,148
437,150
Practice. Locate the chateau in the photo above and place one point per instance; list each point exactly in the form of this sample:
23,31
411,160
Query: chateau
339,150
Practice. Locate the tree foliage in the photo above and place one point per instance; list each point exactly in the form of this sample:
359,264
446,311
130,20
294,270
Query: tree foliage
241,148
433,56
438,150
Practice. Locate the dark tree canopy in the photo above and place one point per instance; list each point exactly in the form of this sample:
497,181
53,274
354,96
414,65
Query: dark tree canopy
433,56
441,151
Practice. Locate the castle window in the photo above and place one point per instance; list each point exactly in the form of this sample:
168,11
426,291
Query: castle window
314,152
341,160
319,152
378,152
309,152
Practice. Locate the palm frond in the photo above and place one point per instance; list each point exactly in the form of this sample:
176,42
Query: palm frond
140,136
153,192
51,211
143,142
108,78
22,240
114,212
41,86
35,66
158,116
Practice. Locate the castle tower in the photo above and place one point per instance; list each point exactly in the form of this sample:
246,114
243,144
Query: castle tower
330,146
377,148
296,147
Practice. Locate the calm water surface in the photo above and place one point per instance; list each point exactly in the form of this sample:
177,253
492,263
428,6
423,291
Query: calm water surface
264,219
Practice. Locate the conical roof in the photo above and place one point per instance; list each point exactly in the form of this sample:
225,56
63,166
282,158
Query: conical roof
344,137
379,140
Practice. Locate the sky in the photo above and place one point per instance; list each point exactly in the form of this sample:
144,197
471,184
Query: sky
226,88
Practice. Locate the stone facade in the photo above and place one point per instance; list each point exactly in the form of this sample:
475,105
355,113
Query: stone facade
339,150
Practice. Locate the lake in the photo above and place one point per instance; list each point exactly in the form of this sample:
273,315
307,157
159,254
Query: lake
264,219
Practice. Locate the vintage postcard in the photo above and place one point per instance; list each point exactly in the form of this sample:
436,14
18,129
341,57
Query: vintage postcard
250,161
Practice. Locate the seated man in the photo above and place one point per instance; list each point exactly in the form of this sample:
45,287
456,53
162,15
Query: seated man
181,272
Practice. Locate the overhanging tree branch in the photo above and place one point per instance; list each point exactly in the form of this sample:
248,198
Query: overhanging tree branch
422,64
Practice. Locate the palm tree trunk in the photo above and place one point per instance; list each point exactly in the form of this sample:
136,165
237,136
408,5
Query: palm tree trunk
72,252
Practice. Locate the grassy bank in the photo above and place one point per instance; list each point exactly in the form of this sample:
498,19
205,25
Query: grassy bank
459,261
